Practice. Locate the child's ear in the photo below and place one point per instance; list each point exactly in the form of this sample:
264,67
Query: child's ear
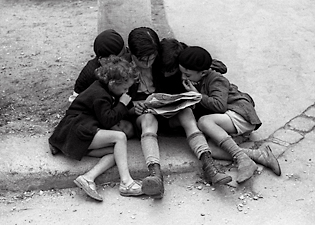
203,73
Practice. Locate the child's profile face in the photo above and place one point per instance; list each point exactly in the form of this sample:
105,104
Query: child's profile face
119,89
192,75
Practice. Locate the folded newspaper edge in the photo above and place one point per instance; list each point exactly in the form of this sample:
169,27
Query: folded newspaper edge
168,105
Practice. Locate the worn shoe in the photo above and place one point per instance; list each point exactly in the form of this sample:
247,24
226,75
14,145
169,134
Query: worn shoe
246,167
211,173
153,184
134,189
89,187
264,157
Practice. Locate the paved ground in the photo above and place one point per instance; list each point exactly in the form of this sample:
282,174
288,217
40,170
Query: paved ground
268,50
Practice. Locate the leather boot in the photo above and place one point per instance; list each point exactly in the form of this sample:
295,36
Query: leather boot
245,165
211,173
153,184
265,157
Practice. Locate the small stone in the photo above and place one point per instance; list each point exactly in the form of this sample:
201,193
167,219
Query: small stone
202,214
241,197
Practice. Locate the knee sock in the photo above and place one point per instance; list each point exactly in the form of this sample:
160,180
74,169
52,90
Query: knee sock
230,146
198,144
246,167
150,148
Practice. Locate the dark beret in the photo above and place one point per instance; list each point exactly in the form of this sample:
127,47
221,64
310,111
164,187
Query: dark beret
107,43
195,58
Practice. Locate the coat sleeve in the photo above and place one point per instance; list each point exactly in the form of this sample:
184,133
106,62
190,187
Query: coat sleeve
86,76
215,94
109,115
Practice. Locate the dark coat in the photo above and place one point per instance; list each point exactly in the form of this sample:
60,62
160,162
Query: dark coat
218,96
92,110
86,76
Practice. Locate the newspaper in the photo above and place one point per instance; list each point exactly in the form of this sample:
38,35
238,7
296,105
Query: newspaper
168,105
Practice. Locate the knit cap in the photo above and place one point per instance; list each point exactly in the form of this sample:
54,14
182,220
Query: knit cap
107,43
195,58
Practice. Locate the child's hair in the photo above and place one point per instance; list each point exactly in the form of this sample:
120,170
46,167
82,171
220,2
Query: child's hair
143,42
195,58
116,70
170,50
107,43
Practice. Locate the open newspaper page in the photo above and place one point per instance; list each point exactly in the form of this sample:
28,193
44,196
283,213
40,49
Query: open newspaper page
168,105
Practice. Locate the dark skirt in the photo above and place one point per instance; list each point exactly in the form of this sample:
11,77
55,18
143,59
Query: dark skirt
74,134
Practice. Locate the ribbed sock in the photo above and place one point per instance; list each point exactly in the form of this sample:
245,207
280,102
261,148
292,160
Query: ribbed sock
150,148
198,144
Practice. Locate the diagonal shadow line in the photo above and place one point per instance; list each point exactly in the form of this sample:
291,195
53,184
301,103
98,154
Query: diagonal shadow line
159,20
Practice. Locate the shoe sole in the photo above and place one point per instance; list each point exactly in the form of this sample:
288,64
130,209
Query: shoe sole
223,181
130,195
86,191
152,188
277,171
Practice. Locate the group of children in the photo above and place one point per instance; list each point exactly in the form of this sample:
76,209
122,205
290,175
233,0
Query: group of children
107,107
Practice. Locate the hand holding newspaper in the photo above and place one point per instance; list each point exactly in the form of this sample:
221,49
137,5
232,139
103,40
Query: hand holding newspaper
168,105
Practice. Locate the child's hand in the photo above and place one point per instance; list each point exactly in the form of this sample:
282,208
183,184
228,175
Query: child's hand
140,108
189,86
125,99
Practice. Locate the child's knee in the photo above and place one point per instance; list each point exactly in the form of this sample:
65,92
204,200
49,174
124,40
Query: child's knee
149,121
204,121
121,137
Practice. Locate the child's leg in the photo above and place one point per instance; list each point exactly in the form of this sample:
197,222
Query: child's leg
149,126
200,147
217,152
262,156
153,184
101,140
104,138
218,127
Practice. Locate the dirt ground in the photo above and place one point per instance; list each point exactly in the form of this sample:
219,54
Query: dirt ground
43,49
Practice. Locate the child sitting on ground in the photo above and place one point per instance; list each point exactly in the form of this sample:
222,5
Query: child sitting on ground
107,43
223,111
170,50
85,129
